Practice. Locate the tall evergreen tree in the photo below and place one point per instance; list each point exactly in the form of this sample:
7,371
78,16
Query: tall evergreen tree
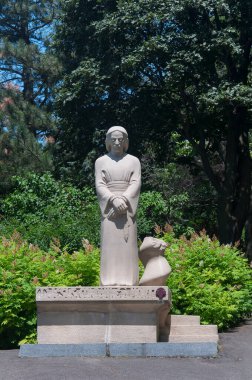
28,72
24,31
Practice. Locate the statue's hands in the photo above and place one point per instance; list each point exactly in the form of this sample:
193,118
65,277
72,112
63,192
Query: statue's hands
111,214
119,205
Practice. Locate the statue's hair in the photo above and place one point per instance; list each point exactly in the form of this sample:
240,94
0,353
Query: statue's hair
125,138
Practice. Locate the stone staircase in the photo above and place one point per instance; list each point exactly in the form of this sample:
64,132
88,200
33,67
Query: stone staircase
187,329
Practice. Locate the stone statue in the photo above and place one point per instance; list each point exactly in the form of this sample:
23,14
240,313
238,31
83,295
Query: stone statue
118,182
156,267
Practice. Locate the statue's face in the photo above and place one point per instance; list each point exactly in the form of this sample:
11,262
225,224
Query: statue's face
117,143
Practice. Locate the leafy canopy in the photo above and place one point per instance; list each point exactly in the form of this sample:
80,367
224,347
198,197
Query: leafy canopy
160,67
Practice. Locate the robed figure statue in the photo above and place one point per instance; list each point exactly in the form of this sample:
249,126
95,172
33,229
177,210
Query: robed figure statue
118,182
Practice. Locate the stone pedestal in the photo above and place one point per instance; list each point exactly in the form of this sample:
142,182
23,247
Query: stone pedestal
79,315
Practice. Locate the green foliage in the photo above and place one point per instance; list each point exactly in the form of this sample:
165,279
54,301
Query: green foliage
152,211
177,74
209,279
26,62
28,75
122,56
189,199
23,267
21,153
41,209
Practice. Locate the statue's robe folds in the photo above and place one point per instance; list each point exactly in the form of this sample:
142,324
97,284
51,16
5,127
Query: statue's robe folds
119,251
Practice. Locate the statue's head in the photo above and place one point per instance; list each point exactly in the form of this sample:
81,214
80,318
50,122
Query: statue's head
117,139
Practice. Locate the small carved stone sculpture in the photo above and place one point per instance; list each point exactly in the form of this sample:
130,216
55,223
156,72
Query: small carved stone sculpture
118,182
157,268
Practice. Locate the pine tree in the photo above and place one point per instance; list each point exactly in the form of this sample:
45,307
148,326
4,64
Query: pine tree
28,72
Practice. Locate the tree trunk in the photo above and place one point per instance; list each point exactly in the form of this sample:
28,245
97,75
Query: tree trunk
234,191
248,234
230,224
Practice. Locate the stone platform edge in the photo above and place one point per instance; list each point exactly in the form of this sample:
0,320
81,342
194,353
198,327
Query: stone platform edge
101,293
204,349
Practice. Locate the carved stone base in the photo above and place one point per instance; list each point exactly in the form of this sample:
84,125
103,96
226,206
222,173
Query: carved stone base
78,315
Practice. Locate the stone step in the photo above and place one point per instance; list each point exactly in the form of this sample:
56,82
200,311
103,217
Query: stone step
185,320
200,330
193,349
193,338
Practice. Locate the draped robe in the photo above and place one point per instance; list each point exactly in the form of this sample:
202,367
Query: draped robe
119,251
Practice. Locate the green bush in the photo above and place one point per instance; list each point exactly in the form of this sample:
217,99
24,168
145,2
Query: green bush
41,209
23,267
209,279
152,211
189,197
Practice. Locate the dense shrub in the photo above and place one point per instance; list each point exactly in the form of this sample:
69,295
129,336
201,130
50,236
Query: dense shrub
189,197
23,267
41,209
152,210
209,279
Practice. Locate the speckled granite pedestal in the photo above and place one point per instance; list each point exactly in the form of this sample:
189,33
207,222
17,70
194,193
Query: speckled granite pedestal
77,315
116,321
